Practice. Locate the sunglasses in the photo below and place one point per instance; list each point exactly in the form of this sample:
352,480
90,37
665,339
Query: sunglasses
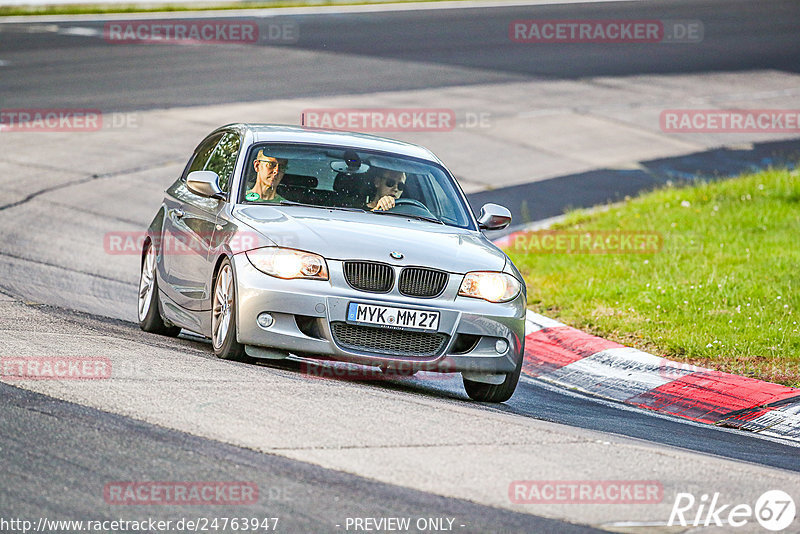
391,183
271,164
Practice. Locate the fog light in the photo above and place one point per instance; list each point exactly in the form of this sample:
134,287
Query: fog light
501,345
265,320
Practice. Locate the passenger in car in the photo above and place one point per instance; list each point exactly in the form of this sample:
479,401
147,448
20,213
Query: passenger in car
269,173
389,185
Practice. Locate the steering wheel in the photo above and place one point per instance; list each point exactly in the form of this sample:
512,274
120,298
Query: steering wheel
410,206
410,202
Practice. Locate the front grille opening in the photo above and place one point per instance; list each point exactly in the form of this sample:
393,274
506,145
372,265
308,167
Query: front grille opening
310,326
388,342
464,343
419,282
369,276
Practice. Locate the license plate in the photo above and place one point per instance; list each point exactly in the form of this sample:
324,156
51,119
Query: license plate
394,317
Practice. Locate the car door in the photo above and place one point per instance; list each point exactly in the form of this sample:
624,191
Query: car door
188,230
223,163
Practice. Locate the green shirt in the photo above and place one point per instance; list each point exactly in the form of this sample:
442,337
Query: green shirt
255,197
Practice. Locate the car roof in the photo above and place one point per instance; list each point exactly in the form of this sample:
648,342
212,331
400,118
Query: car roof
298,134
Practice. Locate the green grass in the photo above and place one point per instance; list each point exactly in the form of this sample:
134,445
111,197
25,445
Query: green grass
722,292
146,7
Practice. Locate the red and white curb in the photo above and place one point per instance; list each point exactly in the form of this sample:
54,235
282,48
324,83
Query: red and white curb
570,358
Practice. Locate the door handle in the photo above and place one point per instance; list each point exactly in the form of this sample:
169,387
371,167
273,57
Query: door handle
178,213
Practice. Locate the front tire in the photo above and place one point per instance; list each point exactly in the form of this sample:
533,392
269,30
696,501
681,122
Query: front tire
150,319
223,316
481,392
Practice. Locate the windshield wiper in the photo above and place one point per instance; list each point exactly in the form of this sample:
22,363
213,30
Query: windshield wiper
396,214
343,208
292,203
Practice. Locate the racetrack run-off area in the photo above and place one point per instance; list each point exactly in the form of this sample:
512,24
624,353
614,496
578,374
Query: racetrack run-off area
538,127
573,359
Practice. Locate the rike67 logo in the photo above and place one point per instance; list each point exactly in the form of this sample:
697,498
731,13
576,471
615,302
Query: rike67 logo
774,510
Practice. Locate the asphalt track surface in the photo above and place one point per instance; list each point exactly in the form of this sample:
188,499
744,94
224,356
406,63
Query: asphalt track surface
546,403
369,52
88,448
336,55
46,478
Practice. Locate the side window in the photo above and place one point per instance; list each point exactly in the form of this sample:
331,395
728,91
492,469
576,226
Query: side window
223,160
448,212
201,155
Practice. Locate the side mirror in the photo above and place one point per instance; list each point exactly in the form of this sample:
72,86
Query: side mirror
205,184
494,217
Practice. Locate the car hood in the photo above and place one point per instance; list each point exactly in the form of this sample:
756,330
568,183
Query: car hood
348,235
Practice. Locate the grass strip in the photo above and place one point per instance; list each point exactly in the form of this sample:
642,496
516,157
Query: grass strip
146,7
720,289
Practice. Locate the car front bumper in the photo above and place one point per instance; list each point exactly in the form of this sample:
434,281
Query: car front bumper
304,310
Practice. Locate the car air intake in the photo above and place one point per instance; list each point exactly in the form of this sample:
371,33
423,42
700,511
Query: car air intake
417,282
369,276
388,342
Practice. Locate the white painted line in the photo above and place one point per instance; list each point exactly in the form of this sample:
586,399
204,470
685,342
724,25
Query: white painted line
776,432
279,11
618,373
78,30
539,382
782,422
535,322
4,63
530,328
39,28
629,524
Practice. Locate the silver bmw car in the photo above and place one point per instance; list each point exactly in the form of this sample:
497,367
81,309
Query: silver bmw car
281,240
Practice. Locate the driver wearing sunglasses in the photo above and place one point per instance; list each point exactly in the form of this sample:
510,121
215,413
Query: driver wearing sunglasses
389,185
269,173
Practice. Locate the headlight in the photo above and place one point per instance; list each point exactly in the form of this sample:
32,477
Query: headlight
288,263
494,287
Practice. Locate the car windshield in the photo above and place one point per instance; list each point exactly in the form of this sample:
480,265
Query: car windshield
333,177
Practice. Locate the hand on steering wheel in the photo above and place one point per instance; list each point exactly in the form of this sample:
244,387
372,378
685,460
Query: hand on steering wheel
385,203
411,202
